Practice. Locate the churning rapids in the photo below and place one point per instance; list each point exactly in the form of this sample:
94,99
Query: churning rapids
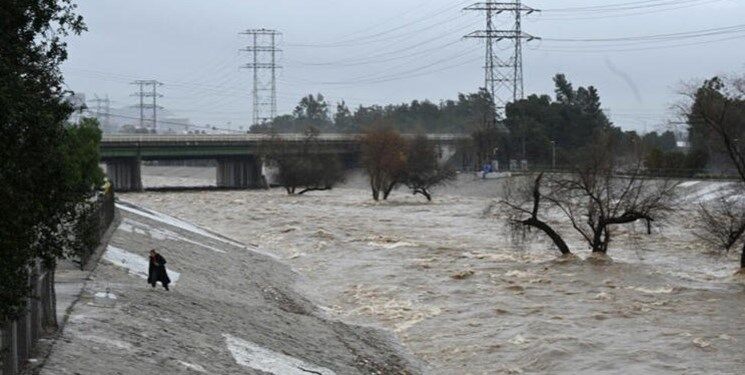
467,298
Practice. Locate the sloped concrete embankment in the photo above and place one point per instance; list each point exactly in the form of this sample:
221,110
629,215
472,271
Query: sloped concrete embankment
231,310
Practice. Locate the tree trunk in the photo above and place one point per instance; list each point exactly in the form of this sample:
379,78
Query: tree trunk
742,258
388,190
550,232
600,237
375,190
313,189
425,193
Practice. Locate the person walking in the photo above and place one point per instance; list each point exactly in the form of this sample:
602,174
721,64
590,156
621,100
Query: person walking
157,270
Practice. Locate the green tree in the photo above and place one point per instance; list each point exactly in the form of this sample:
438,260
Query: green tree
343,120
571,120
35,192
313,109
81,150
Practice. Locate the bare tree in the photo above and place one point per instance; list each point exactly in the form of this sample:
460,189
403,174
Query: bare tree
423,169
524,205
602,193
716,116
597,195
384,159
721,223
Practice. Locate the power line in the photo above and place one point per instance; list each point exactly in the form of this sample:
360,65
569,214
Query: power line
601,49
633,5
409,50
169,122
364,39
502,74
624,13
657,37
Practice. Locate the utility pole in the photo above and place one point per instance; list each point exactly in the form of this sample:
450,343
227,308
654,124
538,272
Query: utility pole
264,58
503,75
152,93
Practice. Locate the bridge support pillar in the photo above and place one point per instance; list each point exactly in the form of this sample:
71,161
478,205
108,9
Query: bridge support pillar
124,174
239,172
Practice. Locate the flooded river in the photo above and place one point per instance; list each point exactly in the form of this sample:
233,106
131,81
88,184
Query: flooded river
467,298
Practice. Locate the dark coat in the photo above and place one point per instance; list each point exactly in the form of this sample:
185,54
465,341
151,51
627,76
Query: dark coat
157,270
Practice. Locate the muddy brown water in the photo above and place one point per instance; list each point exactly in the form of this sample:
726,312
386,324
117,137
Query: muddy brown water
459,292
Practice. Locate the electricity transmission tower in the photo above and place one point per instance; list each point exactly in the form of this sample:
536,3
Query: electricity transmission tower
503,74
103,109
263,50
142,93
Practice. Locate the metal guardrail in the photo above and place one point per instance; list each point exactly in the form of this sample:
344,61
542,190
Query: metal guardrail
250,137
18,337
98,221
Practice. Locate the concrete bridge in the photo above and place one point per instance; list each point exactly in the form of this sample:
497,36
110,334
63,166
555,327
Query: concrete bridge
238,156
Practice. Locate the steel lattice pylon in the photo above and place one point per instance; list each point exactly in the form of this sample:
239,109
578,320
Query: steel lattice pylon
503,75
264,58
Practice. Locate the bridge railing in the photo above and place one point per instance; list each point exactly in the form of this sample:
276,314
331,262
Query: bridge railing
145,138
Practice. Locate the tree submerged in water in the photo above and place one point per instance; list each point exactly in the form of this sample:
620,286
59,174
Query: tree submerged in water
390,160
306,169
716,118
423,168
384,160
599,193
721,223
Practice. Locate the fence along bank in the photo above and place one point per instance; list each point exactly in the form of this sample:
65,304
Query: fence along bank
19,337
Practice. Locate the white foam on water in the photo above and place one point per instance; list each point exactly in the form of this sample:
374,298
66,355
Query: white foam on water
518,273
711,191
170,220
392,245
133,226
256,357
660,290
518,340
135,264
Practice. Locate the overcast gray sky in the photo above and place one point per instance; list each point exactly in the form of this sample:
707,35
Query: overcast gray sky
393,51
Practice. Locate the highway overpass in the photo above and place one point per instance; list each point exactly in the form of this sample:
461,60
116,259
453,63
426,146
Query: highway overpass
238,155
